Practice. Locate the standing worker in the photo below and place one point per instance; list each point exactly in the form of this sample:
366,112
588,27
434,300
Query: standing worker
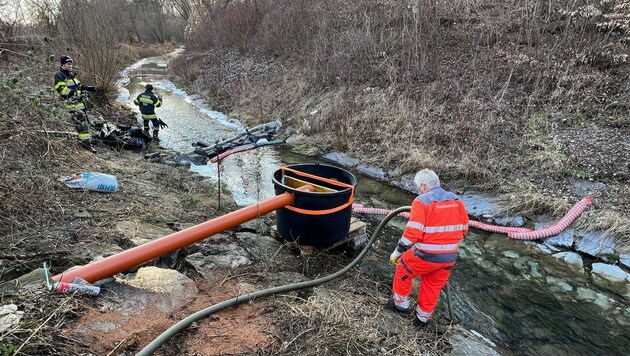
428,247
148,102
70,89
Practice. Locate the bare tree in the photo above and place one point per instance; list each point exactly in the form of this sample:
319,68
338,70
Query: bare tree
92,33
151,18
182,7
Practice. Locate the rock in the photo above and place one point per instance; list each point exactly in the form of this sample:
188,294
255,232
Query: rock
584,187
135,304
259,246
611,278
534,267
227,256
563,239
586,294
596,244
511,254
472,250
164,287
10,316
471,343
516,221
478,205
255,225
406,183
624,259
300,144
545,249
139,233
551,248
571,258
558,285
371,171
603,301
610,272
341,159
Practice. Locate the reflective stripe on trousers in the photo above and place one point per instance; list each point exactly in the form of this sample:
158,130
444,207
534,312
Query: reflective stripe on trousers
401,301
422,315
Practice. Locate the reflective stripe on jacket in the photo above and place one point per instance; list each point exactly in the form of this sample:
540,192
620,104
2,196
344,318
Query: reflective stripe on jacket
69,88
148,102
437,223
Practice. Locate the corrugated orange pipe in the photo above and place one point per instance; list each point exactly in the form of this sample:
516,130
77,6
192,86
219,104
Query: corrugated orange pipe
138,255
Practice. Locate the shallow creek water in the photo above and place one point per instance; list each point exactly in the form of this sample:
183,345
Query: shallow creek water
519,298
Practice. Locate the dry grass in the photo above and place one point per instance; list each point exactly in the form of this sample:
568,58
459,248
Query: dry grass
43,314
349,318
527,199
614,222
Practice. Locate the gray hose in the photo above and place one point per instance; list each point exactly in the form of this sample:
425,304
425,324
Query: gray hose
184,323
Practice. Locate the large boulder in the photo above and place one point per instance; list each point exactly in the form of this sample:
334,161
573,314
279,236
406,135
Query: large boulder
612,278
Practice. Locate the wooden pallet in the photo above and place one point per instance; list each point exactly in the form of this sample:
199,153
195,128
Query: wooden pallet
356,239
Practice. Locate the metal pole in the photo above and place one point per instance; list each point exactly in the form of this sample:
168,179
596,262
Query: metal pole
449,302
219,182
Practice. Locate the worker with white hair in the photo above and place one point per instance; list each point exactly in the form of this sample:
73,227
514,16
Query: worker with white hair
428,247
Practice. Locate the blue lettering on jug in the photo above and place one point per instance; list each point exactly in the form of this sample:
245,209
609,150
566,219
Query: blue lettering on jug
106,187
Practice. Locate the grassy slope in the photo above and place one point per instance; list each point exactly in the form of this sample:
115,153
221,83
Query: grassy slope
41,220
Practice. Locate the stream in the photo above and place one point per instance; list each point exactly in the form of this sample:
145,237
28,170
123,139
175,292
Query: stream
520,299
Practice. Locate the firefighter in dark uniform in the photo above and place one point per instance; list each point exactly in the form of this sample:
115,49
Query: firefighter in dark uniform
147,102
70,89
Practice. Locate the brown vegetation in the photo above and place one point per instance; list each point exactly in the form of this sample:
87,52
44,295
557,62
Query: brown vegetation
506,95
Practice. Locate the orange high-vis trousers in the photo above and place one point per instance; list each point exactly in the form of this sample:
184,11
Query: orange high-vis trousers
433,276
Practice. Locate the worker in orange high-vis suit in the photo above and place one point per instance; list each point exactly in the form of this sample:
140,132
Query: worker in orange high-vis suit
428,247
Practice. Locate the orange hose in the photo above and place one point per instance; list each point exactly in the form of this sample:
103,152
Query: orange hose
138,255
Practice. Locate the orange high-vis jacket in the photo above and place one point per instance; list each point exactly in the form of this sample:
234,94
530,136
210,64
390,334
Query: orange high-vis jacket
437,223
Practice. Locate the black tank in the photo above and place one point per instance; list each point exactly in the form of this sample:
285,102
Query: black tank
320,218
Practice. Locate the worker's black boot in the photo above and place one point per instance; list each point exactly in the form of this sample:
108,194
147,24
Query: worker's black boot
419,323
155,135
392,305
87,144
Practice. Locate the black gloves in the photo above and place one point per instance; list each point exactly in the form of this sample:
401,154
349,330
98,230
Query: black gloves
161,124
